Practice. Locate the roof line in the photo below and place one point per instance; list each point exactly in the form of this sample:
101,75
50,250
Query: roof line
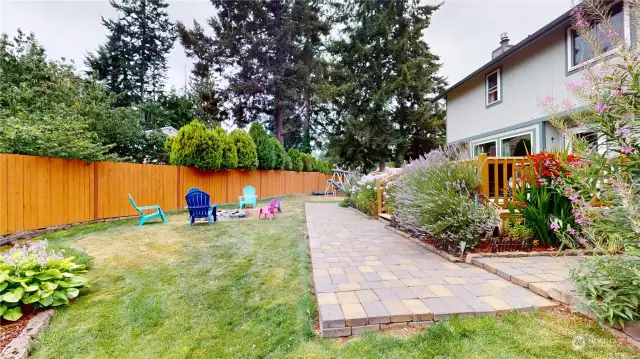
528,40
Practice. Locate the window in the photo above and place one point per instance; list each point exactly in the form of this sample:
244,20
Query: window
517,146
580,51
590,137
490,148
494,91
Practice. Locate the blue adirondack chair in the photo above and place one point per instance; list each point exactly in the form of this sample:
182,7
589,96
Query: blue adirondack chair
193,189
249,197
199,207
144,216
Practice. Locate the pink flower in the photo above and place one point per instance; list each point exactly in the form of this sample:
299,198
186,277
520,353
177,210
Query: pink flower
542,180
623,132
627,149
601,108
573,197
567,105
554,226
572,231
622,91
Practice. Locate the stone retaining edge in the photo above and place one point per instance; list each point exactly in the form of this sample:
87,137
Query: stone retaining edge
18,348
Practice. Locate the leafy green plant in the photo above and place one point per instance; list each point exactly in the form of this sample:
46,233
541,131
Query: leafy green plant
267,157
610,286
227,148
308,162
34,275
514,229
346,202
365,198
247,151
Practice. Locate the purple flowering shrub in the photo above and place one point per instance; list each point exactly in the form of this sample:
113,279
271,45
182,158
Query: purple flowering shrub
34,275
605,191
434,197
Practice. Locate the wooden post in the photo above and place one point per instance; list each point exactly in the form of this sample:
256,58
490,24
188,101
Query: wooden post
483,171
379,200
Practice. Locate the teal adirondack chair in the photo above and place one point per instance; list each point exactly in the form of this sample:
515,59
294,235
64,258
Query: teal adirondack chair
249,197
145,217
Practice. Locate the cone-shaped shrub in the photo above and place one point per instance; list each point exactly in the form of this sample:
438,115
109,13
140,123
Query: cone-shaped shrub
282,159
265,147
247,152
296,160
226,146
195,146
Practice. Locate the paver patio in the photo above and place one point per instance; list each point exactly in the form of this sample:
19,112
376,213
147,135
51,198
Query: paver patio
545,275
367,278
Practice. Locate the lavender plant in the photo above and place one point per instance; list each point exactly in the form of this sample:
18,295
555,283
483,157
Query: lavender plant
34,275
434,196
605,191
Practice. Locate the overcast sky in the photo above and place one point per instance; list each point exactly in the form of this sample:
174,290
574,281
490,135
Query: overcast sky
463,32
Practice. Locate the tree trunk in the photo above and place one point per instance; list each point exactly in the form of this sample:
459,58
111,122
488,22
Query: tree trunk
381,165
279,118
143,71
307,100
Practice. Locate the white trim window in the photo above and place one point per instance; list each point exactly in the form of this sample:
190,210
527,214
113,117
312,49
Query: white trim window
490,148
493,86
581,53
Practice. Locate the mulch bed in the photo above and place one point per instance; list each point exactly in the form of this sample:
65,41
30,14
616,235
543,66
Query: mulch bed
10,330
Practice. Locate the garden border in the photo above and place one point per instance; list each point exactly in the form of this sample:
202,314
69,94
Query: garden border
18,348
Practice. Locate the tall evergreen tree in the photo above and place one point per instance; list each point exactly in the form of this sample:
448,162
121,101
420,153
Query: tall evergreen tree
383,78
133,61
264,42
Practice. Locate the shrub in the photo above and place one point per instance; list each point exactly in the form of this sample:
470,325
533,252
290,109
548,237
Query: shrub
610,287
227,147
195,146
33,275
365,197
542,202
247,152
388,197
514,229
283,162
307,162
297,163
266,150
435,197
346,202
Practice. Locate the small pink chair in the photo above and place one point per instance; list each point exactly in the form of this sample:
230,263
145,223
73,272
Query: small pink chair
270,212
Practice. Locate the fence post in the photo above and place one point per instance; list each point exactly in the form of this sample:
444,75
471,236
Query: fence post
483,171
379,197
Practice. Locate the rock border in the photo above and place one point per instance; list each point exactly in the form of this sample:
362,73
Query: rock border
18,348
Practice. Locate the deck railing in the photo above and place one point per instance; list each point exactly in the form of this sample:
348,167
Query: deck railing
500,175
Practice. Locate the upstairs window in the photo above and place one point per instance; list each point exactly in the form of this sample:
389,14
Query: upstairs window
493,88
581,52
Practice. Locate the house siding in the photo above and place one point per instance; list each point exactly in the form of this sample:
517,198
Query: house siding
531,73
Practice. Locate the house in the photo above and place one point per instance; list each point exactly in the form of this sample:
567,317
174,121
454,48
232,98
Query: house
495,108
167,130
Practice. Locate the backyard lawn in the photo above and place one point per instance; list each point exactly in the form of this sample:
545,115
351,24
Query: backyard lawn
242,289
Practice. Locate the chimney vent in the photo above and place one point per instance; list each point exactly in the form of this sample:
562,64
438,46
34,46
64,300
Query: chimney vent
504,46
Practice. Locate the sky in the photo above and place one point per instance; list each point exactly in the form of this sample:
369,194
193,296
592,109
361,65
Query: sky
462,32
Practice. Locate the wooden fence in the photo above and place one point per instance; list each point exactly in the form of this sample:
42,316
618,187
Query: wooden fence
41,192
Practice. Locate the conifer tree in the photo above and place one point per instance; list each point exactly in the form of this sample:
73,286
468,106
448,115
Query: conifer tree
382,80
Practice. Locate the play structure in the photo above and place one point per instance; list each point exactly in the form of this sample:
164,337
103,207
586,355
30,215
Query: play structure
339,181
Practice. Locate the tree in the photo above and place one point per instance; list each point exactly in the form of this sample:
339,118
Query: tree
133,61
274,46
45,109
382,80
120,128
283,162
247,151
266,151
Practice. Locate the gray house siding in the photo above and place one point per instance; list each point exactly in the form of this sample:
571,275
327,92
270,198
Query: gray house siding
532,73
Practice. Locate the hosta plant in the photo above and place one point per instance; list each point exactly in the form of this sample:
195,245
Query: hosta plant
33,275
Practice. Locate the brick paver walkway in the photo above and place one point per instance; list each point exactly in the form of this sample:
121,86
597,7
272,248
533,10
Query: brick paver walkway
367,278
545,275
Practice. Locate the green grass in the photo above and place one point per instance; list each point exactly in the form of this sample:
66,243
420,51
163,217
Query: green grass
241,289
